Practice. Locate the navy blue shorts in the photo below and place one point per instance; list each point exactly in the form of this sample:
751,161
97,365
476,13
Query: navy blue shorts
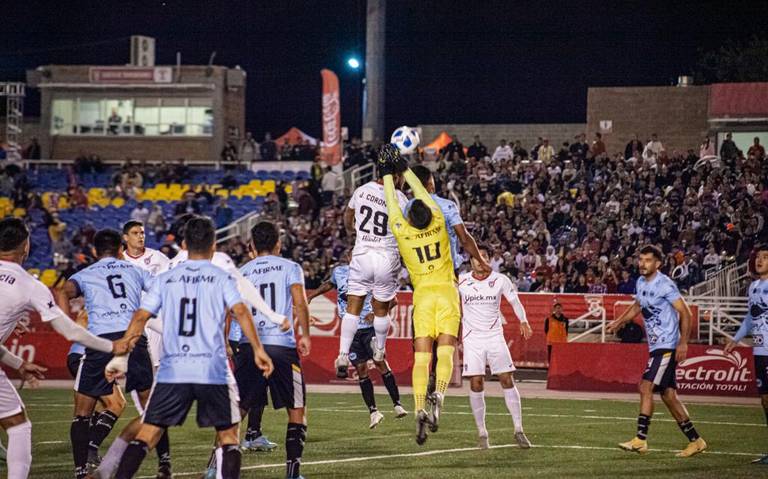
90,379
169,404
73,363
286,384
761,374
361,351
660,370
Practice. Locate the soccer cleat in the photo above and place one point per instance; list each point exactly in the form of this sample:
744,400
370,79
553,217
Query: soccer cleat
376,418
693,448
164,471
422,421
260,444
342,365
482,442
762,460
378,353
93,460
436,400
637,445
400,412
522,440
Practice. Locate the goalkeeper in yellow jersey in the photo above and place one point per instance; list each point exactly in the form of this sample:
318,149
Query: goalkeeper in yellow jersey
425,247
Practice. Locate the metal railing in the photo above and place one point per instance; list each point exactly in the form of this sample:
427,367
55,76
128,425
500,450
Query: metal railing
361,174
240,228
727,282
718,318
60,163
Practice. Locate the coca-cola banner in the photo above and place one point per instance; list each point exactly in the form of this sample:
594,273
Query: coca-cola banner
613,367
331,146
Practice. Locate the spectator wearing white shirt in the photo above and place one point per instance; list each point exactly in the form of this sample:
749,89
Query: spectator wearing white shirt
712,259
140,213
654,145
503,152
496,261
329,184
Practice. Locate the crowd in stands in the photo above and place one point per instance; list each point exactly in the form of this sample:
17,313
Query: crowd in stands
555,219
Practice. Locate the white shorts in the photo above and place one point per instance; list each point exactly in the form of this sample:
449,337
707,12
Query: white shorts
482,350
374,272
10,402
155,345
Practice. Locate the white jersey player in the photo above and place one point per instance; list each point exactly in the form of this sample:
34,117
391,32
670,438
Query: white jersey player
484,344
374,268
150,260
20,293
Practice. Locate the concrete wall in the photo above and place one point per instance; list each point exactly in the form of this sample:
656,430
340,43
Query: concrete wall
677,114
137,148
491,134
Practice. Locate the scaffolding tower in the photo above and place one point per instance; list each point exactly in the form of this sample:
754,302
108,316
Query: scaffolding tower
14,112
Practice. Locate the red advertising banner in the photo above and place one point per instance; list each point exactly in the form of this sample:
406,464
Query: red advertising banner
615,367
331,146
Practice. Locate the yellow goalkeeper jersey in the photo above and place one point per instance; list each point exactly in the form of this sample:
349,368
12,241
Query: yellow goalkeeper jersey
425,252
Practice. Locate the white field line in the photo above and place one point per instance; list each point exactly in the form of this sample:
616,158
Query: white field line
445,451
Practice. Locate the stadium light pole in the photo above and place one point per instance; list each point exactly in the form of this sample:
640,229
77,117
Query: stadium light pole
357,66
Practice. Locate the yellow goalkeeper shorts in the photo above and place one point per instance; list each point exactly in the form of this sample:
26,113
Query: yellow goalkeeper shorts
436,311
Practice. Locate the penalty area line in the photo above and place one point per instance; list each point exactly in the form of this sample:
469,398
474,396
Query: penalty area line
449,451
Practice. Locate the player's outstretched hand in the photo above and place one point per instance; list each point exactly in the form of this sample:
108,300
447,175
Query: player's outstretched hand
526,331
285,325
305,345
123,346
263,361
31,373
613,327
384,162
729,347
116,368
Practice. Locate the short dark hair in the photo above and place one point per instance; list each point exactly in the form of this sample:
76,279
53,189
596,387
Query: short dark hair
652,250
420,215
13,233
264,235
761,247
199,234
422,173
131,224
107,242
181,226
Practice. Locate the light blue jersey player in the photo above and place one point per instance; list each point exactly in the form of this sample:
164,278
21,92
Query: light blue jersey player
361,351
195,298
667,321
281,284
756,324
112,290
457,232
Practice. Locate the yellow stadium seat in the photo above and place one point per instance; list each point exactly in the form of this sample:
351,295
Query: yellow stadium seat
19,212
63,203
118,202
48,277
223,193
289,189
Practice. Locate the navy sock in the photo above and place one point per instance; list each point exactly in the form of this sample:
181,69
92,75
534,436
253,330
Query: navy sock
643,423
688,429
391,385
366,387
163,449
101,429
294,447
230,462
131,461
254,423
78,436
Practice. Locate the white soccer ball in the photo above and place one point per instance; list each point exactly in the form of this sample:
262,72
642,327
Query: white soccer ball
406,139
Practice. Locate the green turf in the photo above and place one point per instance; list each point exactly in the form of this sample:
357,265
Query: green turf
574,439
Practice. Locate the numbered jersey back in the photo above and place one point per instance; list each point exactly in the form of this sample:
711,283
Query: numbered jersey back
273,277
371,219
112,289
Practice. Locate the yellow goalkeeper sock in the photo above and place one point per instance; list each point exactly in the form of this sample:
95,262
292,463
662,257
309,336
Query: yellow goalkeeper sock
444,368
420,378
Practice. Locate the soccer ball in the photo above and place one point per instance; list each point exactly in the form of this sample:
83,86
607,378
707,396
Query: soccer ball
406,139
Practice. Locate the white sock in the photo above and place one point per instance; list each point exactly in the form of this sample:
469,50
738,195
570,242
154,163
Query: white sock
219,462
19,450
348,330
381,328
111,461
512,398
477,403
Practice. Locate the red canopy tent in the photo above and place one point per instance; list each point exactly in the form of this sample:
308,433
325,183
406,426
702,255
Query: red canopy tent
295,137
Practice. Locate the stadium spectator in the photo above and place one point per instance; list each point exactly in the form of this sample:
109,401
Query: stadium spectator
329,184
156,221
634,147
579,148
32,151
477,149
224,214
627,283
631,333
187,205
204,196
181,172
728,150
654,145
556,328
453,149
707,148
545,152
598,147
757,150
249,149
140,213
268,148
229,156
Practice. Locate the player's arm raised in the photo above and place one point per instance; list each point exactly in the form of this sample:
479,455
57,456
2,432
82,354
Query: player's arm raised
301,310
685,328
243,316
627,315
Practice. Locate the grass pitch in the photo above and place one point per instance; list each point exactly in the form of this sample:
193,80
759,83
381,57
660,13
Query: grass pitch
571,438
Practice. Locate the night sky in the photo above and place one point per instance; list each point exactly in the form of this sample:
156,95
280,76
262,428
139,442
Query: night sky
447,62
